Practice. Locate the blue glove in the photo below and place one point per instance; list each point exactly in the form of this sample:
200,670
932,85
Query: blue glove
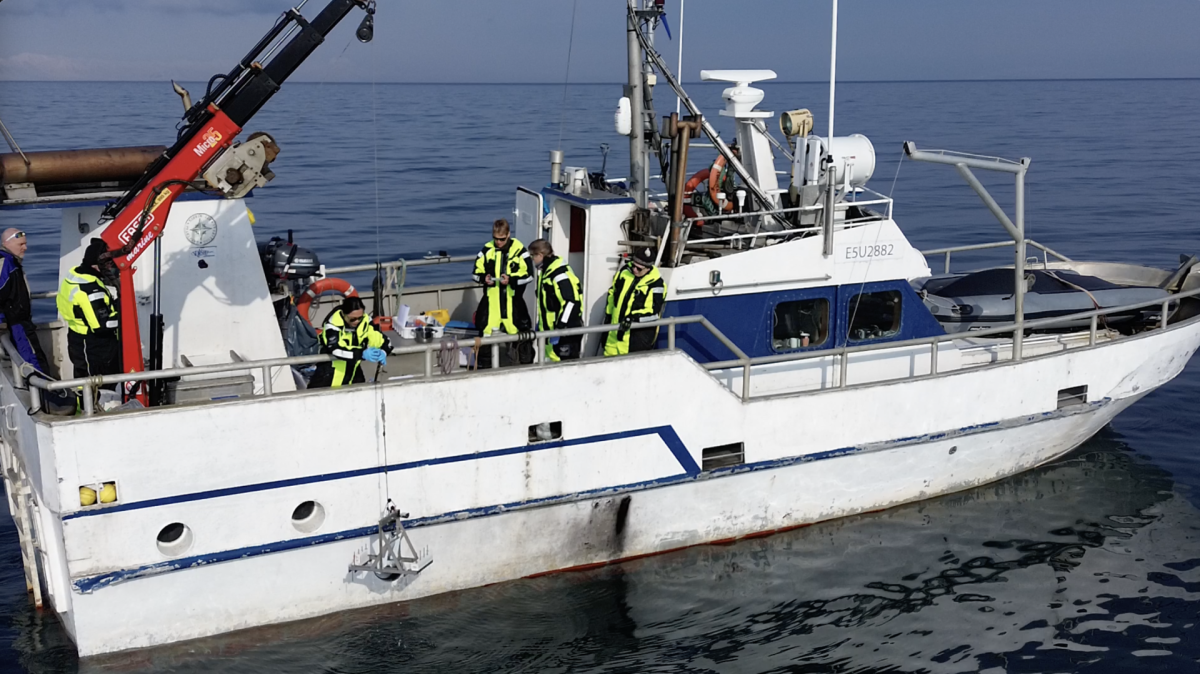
553,341
375,356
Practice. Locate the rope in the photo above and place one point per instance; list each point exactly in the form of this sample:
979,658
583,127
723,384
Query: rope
562,115
308,106
870,260
448,355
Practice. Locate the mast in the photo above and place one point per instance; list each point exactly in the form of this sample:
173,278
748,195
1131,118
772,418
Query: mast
830,188
633,90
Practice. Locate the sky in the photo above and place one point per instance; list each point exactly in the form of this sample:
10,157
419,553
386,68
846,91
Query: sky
530,40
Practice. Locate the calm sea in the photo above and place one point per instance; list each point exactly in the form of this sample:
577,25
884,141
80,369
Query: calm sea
1090,564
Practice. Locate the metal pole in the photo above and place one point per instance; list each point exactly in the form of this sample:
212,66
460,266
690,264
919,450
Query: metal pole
637,168
1019,266
428,362
830,195
1092,331
933,357
947,262
89,405
830,190
679,64
671,337
268,389
745,380
832,71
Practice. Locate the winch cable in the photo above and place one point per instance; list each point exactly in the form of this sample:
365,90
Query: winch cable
867,271
380,399
562,114
320,86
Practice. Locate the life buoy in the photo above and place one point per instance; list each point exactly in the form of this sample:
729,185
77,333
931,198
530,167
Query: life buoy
322,287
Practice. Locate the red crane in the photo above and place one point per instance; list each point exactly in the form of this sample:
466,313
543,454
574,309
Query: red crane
205,145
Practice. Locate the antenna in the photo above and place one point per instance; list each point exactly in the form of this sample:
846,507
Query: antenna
832,72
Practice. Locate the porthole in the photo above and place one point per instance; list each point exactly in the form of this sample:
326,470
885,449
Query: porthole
308,517
174,539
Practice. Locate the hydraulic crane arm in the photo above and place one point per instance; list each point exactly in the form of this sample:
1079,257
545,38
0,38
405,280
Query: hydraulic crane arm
207,133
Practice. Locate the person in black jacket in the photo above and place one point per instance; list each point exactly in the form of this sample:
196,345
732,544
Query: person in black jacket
14,298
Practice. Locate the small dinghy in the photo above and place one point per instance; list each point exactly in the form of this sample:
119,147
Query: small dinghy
984,299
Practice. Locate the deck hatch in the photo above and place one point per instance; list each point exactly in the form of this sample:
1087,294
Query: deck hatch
1076,395
723,456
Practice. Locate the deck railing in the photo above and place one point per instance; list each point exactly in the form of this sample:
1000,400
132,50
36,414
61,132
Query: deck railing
842,355
39,382
947,252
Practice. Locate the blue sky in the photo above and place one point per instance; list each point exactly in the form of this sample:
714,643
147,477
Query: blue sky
527,40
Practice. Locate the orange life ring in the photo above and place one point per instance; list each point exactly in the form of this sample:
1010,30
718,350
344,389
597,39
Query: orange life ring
325,285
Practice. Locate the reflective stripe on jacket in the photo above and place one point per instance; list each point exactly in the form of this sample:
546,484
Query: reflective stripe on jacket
630,301
347,344
87,305
512,260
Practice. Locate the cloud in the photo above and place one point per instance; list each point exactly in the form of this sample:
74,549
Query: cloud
33,67
27,66
224,7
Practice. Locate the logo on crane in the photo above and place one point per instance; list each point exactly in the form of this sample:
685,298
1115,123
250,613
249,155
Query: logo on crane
208,141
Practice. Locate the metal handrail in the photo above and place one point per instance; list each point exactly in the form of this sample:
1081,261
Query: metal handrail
423,262
87,384
839,206
986,246
843,353
39,381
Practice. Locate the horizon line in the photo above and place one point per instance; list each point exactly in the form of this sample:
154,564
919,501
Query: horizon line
700,82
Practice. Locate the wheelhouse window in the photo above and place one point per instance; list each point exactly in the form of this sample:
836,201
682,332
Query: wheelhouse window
874,315
800,324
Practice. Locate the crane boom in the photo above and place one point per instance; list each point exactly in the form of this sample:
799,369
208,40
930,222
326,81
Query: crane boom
208,130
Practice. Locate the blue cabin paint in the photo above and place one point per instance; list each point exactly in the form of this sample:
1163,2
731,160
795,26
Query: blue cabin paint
749,320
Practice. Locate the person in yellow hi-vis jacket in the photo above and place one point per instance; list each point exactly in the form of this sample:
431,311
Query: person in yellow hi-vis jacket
560,302
350,338
503,268
636,296
89,307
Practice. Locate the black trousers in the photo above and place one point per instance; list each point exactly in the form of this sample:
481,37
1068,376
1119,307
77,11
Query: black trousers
94,354
568,348
523,323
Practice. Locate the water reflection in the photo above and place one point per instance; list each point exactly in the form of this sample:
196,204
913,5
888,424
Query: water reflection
1091,561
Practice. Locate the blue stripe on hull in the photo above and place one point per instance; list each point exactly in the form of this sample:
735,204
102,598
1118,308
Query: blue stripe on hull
667,433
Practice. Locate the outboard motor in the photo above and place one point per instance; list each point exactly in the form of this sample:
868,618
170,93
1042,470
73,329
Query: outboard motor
290,270
287,266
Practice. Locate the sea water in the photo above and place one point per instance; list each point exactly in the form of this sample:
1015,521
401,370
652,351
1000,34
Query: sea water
1089,564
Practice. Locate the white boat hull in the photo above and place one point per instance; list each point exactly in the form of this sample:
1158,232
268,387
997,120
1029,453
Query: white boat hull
482,499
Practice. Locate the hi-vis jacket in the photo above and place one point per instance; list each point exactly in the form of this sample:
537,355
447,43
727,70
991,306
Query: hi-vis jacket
87,305
630,301
347,345
559,304
512,260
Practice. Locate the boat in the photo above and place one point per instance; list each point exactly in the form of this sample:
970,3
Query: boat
793,308
984,299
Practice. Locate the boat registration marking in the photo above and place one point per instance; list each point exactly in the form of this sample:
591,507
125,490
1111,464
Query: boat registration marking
869,251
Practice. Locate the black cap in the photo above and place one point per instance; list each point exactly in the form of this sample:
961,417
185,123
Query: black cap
643,255
91,256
